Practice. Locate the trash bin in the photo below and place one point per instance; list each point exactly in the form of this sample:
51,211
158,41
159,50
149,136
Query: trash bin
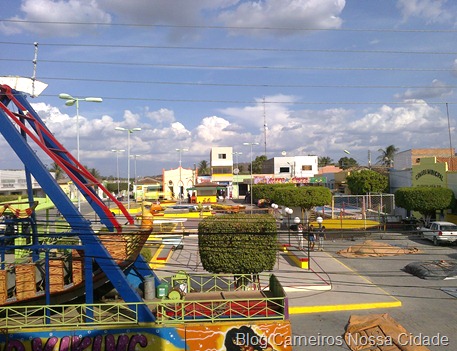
149,287
162,290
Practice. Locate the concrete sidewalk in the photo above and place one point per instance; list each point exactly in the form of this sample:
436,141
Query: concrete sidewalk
327,286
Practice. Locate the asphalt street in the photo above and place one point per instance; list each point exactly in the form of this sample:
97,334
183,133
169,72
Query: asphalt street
426,309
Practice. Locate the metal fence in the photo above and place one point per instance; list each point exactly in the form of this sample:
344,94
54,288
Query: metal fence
370,206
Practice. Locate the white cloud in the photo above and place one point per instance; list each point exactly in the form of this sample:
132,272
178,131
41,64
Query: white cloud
71,11
320,132
212,129
454,67
430,10
162,116
178,12
276,108
294,14
437,89
415,117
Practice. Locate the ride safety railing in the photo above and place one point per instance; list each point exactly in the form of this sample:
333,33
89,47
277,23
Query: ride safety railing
210,303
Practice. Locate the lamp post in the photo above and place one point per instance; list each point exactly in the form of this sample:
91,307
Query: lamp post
251,145
288,211
274,207
129,131
236,171
319,221
117,167
134,165
70,102
320,235
180,151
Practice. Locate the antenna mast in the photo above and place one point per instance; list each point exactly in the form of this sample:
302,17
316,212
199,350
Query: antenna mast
265,126
450,139
35,59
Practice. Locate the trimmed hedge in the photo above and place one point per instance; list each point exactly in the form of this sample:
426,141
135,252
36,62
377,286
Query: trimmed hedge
238,243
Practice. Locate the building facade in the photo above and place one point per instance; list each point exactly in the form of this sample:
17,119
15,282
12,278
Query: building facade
13,182
402,175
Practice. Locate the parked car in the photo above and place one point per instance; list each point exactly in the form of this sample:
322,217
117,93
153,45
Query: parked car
440,232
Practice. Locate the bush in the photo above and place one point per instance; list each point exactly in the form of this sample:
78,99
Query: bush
238,243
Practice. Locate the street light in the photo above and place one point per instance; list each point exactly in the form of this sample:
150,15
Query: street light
129,131
134,165
236,171
320,235
180,173
251,145
70,102
319,221
288,211
117,167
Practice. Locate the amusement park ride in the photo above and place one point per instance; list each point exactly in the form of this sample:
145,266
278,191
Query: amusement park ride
92,258
18,128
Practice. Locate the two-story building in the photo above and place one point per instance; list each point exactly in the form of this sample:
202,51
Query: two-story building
296,169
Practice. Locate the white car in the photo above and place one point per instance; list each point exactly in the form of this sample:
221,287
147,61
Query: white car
439,232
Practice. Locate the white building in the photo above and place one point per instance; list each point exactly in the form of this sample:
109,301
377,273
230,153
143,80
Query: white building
13,182
293,167
221,160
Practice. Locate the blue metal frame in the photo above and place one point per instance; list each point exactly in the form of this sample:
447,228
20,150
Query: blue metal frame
93,248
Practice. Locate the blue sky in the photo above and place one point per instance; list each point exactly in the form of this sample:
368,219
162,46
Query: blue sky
325,76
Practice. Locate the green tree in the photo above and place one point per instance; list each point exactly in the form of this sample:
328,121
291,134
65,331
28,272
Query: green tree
203,168
367,181
386,157
305,197
237,243
347,162
257,164
425,200
324,161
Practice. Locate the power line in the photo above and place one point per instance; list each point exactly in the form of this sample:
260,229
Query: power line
296,103
305,29
236,67
258,85
208,48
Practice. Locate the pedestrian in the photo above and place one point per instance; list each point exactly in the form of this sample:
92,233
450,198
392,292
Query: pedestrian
321,236
311,238
300,234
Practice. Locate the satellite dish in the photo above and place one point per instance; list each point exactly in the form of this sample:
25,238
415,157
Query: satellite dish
284,153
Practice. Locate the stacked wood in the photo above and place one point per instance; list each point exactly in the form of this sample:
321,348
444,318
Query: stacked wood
115,244
56,275
25,281
77,267
3,286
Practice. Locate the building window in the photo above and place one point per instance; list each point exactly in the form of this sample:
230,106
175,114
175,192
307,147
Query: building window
306,168
222,156
284,170
222,170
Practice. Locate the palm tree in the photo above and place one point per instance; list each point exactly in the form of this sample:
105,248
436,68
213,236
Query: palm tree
95,173
57,170
203,168
387,156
